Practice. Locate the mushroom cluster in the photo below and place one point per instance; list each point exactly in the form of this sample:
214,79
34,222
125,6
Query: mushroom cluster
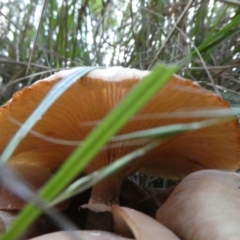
90,99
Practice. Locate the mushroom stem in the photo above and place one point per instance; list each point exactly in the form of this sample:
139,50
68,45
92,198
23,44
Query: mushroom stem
104,195
106,192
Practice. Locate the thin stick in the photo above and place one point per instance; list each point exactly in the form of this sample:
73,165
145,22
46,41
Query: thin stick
177,24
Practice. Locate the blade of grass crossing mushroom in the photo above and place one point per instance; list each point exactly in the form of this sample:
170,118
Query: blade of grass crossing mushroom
210,113
139,95
88,181
52,96
161,134
170,130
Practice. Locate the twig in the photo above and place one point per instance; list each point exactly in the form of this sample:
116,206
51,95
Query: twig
177,24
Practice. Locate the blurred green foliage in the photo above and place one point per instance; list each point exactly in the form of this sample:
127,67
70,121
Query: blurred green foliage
127,33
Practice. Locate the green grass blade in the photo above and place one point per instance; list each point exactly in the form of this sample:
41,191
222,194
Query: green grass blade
225,33
170,130
112,123
161,134
139,95
93,178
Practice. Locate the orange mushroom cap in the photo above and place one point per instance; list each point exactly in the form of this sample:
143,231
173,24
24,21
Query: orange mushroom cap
204,206
92,97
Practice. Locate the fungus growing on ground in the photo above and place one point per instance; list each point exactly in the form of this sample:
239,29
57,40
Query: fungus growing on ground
90,99
204,206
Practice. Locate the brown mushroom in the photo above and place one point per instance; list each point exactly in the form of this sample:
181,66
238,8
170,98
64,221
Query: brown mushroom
91,98
204,206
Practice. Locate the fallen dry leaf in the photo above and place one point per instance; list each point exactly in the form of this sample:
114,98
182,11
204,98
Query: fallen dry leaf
131,223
